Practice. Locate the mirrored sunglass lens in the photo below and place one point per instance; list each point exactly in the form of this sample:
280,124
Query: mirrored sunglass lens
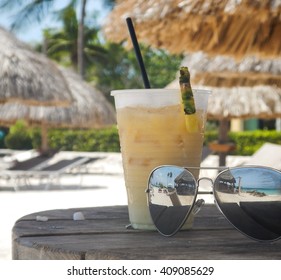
171,194
250,198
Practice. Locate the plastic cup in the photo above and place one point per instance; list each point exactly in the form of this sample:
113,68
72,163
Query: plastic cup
153,131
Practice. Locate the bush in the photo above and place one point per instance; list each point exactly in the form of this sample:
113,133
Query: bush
107,139
19,137
101,140
247,142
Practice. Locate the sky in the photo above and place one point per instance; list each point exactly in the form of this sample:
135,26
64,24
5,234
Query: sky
32,33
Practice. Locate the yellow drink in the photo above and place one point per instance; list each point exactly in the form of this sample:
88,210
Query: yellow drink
151,136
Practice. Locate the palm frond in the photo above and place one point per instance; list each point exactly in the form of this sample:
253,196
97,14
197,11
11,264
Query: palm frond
35,10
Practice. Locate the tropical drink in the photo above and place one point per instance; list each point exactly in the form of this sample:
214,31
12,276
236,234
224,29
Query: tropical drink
153,131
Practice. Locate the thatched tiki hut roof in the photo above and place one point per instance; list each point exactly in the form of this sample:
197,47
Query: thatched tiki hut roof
224,71
250,88
228,27
263,102
225,103
90,109
29,77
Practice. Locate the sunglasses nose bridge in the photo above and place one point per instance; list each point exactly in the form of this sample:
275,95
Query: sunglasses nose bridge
205,179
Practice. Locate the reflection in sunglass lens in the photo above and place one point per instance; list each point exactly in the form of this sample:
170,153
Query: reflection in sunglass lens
250,198
171,194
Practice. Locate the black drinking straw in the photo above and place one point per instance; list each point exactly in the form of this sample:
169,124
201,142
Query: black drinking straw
138,52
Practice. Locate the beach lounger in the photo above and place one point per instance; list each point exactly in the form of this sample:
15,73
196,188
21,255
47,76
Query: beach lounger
18,172
35,163
19,156
85,167
52,173
268,155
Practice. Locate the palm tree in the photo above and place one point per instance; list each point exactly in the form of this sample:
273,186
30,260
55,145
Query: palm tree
80,43
62,44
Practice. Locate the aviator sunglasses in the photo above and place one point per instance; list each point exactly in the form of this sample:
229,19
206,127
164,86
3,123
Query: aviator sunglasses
249,197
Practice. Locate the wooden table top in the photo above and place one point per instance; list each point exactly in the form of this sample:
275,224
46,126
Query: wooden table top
103,235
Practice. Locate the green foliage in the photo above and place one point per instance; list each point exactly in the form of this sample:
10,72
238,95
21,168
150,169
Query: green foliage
19,137
162,66
247,142
121,69
250,141
101,140
107,139
61,44
118,72
35,134
210,136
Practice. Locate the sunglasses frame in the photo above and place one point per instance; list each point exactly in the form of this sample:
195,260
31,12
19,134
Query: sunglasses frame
197,204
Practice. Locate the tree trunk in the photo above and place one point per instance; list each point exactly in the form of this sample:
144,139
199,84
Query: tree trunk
44,138
223,138
80,41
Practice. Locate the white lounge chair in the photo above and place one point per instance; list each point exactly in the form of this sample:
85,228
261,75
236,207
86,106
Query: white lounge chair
268,155
17,173
52,173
